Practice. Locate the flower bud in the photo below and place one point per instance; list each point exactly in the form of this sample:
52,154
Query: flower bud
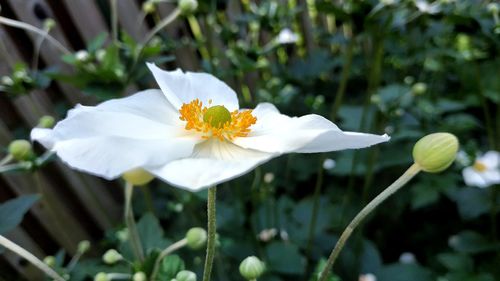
435,152
419,88
83,246
268,177
48,24
492,8
148,7
82,55
185,275
111,256
139,276
251,268
20,150
101,276
7,81
46,121
196,237
188,7
50,261
137,177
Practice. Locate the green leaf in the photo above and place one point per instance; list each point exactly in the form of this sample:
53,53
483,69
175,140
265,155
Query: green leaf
404,272
151,233
471,242
97,42
472,202
285,258
13,211
170,266
456,262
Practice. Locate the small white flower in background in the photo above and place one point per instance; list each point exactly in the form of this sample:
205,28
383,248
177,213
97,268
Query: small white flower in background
407,258
268,177
367,277
329,164
485,171
191,133
287,36
82,55
267,234
284,235
424,7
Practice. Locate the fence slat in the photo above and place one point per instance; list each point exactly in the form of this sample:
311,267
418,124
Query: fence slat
87,18
128,15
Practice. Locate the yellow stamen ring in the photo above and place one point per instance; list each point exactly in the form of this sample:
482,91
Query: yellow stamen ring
479,166
216,121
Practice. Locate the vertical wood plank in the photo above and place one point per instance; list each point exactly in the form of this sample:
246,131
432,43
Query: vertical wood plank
128,14
87,18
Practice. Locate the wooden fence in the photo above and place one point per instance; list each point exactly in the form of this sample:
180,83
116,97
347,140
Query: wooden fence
74,206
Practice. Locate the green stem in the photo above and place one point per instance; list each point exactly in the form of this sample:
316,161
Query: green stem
167,251
29,257
6,160
41,32
198,36
114,21
368,209
211,233
316,199
135,241
161,25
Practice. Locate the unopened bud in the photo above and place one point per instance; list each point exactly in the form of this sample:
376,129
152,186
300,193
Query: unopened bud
188,7
185,275
492,8
46,121
7,81
83,246
137,177
196,237
148,7
419,88
111,256
48,24
139,276
435,152
251,268
101,276
21,150
82,55
50,261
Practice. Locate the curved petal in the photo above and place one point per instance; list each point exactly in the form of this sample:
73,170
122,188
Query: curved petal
180,87
490,159
212,162
278,133
110,156
473,178
491,176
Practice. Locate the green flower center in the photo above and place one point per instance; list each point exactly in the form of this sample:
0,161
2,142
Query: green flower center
217,116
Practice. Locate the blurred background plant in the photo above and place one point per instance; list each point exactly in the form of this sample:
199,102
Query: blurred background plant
406,68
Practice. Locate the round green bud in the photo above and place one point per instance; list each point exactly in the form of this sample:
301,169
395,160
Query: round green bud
217,116
7,81
101,276
493,8
46,121
435,152
188,7
419,88
185,275
20,150
49,23
196,238
139,276
111,256
148,7
137,177
50,261
252,268
83,246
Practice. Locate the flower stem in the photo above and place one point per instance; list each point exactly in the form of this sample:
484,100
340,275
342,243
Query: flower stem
162,24
28,27
167,251
114,21
198,36
6,160
135,241
211,233
30,257
395,186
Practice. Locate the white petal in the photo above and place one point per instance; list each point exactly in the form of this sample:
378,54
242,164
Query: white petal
473,178
490,159
278,133
491,176
180,87
109,156
212,162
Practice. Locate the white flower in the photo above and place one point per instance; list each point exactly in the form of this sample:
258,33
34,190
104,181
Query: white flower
329,164
286,36
485,171
424,7
191,133
367,277
407,258
82,55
